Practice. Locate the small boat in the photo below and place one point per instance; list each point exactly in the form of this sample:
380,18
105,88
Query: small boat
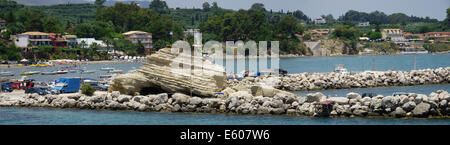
400,94
105,76
115,71
72,71
43,65
35,72
340,69
27,73
49,73
87,71
34,65
61,72
6,74
106,68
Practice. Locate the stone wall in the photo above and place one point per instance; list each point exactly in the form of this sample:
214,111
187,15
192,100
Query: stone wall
243,102
332,80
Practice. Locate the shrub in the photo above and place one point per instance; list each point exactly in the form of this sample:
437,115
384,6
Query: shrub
87,90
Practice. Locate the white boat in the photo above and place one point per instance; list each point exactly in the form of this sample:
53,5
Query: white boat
107,68
105,76
72,71
87,71
48,73
340,69
6,74
115,71
61,72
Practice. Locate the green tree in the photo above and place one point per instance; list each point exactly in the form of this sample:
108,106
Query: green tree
99,2
374,35
214,5
34,22
346,32
158,6
447,20
258,6
52,25
140,49
206,6
288,26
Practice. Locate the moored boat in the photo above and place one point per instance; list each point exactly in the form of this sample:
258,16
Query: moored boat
6,74
105,76
106,68
340,69
61,72
87,71
49,73
115,71
27,73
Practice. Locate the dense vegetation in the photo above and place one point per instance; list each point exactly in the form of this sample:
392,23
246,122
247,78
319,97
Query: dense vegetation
166,24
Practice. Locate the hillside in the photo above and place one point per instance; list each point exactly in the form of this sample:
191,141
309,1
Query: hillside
49,2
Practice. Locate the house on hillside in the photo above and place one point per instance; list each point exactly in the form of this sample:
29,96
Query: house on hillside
144,37
392,34
71,40
299,37
320,21
88,42
58,41
363,24
33,39
2,22
318,33
437,36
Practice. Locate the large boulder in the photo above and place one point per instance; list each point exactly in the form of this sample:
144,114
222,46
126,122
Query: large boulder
409,106
170,70
181,98
421,109
339,100
315,97
399,112
353,95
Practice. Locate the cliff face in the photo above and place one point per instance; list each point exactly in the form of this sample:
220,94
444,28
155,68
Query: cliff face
160,75
330,47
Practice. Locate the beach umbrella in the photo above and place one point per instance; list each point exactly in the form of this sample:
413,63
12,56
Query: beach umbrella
23,60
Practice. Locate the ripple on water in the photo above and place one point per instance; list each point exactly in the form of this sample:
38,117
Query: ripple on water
38,116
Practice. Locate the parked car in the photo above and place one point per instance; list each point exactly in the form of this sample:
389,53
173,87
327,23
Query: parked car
37,90
49,90
6,87
98,86
369,95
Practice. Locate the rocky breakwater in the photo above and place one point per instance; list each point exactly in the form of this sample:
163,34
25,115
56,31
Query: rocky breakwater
245,102
332,80
171,72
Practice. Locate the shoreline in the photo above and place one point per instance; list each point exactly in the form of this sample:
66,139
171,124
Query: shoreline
435,105
13,66
5,66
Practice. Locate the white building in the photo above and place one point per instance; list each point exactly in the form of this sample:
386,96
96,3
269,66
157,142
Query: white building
363,24
31,38
89,42
392,34
320,21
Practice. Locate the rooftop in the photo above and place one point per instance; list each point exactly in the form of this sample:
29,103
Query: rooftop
34,33
70,36
135,32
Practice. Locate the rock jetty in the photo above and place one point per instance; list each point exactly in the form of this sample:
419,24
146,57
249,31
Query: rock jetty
332,80
245,102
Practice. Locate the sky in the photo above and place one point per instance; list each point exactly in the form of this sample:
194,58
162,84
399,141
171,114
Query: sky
316,8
